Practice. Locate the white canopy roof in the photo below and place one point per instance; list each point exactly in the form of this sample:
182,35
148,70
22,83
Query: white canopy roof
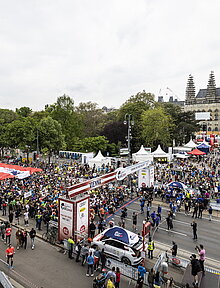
98,157
142,151
160,152
190,144
98,160
142,155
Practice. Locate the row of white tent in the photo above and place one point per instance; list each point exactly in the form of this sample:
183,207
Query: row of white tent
179,151
141,155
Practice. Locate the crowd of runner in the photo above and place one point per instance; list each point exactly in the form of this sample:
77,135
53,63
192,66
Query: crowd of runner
37,196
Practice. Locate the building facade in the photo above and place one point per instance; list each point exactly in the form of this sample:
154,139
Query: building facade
207,100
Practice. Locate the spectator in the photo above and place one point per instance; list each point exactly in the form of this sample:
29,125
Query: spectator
111,274
151,278
201,252
195,269
170,283
32,234
118,277
90,264
174,249
210,213
103,259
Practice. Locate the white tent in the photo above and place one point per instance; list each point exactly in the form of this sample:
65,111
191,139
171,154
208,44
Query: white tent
190,144
99,160
142,155
159,153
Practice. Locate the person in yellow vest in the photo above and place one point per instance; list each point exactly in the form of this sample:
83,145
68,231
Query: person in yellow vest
70,247
150,248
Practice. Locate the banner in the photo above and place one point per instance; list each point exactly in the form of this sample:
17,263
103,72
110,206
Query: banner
27,194
82,216
65,219
15,171
146,177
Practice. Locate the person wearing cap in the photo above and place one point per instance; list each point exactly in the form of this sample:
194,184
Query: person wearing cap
10,253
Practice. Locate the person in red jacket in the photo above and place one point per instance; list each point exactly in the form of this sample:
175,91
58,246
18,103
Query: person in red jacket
8,235
118,277
10,251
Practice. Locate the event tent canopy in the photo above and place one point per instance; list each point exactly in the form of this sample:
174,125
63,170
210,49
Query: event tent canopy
176,184
196,152
99,160
159,153
142,155
122,235
190,144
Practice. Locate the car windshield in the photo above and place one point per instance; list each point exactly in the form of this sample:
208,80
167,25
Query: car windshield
138,244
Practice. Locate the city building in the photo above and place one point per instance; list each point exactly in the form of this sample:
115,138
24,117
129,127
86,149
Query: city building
207,100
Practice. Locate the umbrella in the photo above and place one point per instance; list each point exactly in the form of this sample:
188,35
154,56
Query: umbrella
177,185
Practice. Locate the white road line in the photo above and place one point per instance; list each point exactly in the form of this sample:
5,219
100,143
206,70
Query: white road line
185,235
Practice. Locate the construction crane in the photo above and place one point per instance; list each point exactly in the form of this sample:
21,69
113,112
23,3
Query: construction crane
173,94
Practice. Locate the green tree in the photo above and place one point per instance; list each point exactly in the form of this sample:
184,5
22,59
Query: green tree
93,118
185,124
136,105
91,144
24,111
63,112
21,134
51,138
156,127
6,116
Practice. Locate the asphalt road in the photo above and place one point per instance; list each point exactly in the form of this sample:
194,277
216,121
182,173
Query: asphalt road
208,231
46,267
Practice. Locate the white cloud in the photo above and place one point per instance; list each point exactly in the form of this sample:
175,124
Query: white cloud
104,51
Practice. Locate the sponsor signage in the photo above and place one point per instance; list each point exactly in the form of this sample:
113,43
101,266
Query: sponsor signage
82,216
65,219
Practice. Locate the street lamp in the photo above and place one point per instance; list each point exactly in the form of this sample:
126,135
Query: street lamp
130,122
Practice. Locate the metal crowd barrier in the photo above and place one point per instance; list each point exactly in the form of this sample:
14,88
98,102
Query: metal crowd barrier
4,280
126,270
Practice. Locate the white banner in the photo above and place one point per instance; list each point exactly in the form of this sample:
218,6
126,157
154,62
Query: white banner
27,194
146,177
65,219
82,218
121,173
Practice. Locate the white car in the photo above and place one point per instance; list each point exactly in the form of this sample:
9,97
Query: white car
120,244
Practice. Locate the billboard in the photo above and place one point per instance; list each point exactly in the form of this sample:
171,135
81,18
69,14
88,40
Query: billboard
146,177
65,218
82,216
202,116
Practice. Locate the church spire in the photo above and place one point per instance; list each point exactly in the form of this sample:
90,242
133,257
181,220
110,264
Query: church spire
190,91
211,87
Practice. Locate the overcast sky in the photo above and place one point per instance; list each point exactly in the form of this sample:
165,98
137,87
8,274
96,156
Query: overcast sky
104,51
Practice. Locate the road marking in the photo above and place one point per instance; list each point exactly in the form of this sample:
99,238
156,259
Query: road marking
173,232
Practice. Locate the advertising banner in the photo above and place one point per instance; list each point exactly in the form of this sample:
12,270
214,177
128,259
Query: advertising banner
146,177
82,216
65,219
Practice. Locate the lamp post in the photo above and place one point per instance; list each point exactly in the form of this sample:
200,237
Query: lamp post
130,122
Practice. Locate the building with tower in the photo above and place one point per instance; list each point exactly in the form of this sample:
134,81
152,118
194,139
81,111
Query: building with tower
207,100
